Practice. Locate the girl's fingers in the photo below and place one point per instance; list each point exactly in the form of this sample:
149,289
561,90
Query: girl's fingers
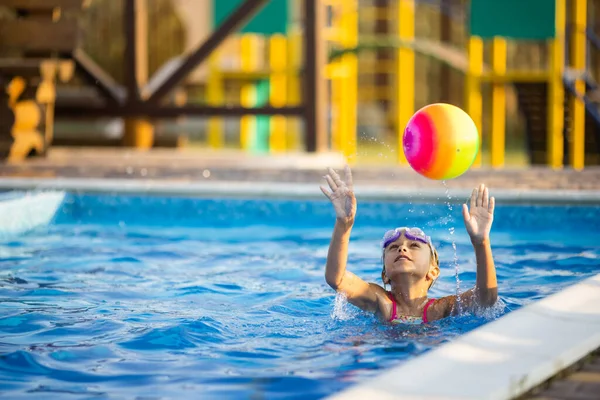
331,183
473,202
486,197
336,177
348,174
492,205
481,195
332,173
325,192
465,213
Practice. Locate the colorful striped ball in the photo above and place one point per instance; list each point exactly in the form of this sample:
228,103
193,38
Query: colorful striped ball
440,141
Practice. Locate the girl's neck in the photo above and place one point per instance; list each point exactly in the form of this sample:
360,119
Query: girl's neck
410,299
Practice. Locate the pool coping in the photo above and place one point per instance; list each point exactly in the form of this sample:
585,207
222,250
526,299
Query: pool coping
502,359
21,212
289,190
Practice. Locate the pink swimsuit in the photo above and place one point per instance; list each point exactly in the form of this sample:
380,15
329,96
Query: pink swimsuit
408,319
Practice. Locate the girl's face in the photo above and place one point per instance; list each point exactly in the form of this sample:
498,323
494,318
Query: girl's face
405,256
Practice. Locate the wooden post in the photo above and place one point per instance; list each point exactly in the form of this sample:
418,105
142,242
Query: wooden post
445,38
315,100
139,132
383,56
7,120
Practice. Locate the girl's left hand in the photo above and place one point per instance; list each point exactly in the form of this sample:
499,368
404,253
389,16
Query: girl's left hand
479,218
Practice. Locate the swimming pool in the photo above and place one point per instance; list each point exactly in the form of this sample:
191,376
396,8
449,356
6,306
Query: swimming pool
179,297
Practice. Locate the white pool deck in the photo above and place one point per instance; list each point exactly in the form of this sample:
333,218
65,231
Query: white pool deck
502,359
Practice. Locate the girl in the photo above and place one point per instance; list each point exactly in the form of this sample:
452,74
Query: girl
410,262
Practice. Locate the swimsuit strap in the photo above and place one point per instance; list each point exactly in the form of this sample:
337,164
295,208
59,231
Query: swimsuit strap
394,313
393,317
425,310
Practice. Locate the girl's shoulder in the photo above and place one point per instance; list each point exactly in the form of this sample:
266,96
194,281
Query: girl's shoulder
378,290
384,303
441,308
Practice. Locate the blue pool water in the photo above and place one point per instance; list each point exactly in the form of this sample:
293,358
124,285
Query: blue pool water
192,298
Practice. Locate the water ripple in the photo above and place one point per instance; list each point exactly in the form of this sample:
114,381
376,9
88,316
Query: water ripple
185,298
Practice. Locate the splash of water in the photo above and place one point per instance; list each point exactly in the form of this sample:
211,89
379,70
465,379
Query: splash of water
369,138
341,310
451,231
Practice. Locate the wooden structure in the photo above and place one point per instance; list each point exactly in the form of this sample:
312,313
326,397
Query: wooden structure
138,102
35,44
44,37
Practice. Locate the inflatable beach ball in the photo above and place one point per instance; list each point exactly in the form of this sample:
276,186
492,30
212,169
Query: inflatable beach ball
440,141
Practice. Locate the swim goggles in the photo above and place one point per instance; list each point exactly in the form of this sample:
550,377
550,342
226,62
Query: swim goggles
415,234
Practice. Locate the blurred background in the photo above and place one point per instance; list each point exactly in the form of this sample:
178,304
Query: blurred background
384,60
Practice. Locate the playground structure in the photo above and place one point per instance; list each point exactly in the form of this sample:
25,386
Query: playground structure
562,121
275,71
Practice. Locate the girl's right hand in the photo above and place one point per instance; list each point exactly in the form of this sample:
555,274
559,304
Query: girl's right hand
341,195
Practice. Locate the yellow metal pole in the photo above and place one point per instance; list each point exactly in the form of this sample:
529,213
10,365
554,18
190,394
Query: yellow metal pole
247,122
405,78
349,85
215,97
336,107
333,73
473,86
556,93
578,56
278,90
249,63
294,64
498,102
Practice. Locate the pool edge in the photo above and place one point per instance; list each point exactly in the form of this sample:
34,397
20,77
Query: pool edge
21,212
286,190
502,359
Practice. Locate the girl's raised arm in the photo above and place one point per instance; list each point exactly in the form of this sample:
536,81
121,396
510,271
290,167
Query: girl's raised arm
341,195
